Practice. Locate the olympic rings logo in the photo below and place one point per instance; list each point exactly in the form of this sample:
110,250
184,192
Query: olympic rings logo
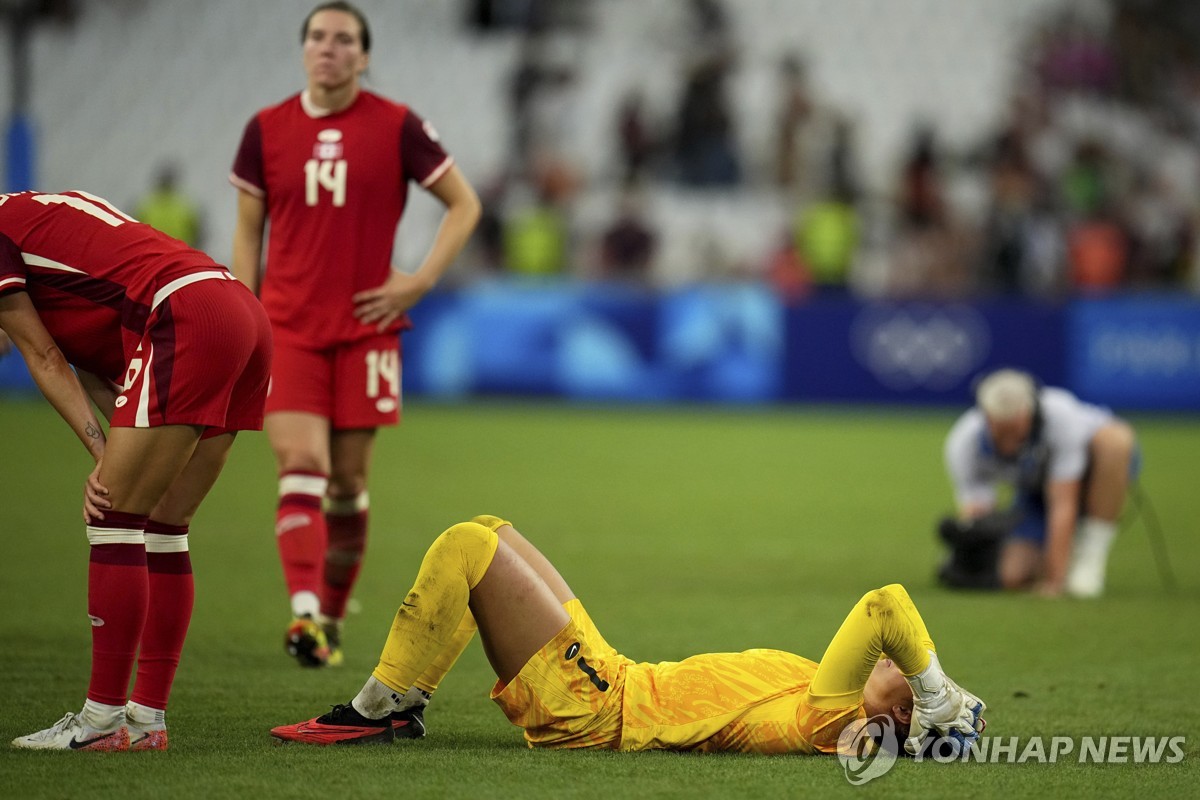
918,346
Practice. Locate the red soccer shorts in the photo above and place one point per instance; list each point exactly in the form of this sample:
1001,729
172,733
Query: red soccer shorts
204,359
355,385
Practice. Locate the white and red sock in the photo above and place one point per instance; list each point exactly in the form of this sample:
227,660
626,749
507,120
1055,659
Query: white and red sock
346,522
172,595
300,535
118,592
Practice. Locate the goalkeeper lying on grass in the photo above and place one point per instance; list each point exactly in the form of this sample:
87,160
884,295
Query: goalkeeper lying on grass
566,686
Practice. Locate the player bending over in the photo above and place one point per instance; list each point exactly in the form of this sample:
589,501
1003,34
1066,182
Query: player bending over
566,686
176,354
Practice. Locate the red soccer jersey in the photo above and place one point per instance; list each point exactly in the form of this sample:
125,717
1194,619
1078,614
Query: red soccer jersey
334,187
91,272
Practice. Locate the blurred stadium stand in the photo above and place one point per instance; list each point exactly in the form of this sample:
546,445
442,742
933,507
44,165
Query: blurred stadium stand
135,83
131,84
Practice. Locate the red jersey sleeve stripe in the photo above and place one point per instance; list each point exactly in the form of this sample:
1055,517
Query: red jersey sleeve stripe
11,284
48,263
440,170
246,186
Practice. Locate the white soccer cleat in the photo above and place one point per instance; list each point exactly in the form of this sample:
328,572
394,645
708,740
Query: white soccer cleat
145,735
70,733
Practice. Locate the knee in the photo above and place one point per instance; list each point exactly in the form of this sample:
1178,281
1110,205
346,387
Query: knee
471,544
1115,442
347,486
489,521
292,458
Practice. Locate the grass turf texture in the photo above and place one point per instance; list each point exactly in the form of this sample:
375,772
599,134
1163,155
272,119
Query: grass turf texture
683,530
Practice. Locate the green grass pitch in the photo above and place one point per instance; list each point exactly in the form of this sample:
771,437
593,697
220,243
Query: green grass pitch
683,530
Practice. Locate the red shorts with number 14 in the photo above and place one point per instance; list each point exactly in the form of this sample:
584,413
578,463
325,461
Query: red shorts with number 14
355,385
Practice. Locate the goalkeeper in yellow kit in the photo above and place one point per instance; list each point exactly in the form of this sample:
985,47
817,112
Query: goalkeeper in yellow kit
561,682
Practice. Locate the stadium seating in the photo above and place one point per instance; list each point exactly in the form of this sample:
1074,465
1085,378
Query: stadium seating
133,84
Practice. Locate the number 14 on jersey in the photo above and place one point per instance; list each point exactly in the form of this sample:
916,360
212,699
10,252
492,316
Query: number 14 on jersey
329,175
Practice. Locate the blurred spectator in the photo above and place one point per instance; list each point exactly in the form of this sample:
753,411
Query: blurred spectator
636,138
533,91
1075,56
704,138
786,272
1098,250
628,244
530,16
1022,247
537,233
1085,184
705,141
795,108
1160,233
843,179
167,209
535,241
930,252
827,237
487,242
921,195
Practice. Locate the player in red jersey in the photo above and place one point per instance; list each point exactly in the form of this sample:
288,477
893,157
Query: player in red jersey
330,167
177,354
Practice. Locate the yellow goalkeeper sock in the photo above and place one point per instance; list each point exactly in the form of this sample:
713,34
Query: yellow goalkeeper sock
445,660
432,615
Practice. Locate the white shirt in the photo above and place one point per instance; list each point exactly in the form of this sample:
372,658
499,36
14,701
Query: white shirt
1058,451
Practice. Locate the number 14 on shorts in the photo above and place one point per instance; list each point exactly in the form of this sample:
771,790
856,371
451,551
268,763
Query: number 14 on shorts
383,367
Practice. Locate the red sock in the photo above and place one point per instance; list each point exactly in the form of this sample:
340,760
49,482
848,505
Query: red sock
117,594
347,526
172,592
300,530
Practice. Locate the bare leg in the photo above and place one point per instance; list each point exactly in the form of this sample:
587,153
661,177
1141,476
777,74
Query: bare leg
516,610
171,586
350,457
140,464
300,441
183,497
534,558
1020,563
1111,450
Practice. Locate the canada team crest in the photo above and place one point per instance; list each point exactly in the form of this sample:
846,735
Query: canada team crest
329,145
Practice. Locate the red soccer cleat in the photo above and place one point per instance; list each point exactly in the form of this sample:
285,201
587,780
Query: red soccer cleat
342,725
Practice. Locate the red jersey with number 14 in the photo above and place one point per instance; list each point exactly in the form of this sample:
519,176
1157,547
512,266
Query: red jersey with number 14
334,185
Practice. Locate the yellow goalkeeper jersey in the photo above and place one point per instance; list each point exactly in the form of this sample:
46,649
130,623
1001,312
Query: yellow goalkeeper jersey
579,692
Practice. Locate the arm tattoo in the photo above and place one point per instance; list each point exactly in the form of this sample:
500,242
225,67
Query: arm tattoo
92,431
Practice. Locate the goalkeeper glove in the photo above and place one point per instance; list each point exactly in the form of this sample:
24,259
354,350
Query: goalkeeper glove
942,710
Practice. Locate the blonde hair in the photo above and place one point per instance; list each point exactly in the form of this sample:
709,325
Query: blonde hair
1006,394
